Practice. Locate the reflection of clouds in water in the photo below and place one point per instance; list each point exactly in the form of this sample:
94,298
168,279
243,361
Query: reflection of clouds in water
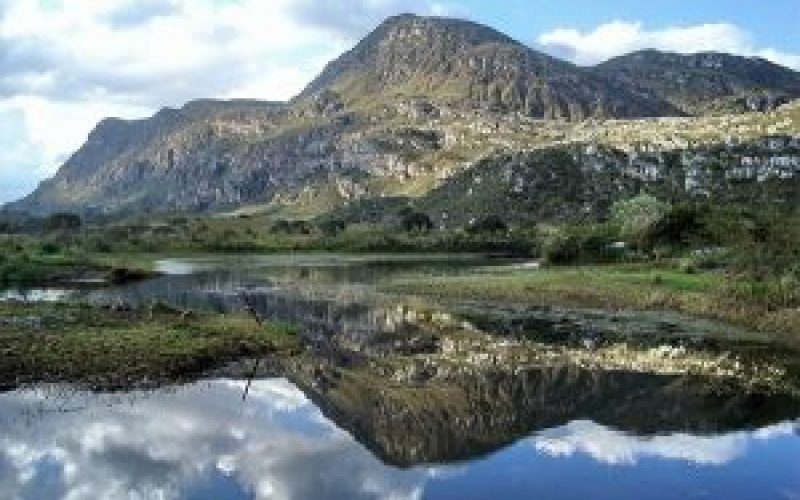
277,444
162,444
272,395
618,448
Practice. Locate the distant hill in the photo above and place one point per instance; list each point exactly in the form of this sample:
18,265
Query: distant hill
416,102
705,82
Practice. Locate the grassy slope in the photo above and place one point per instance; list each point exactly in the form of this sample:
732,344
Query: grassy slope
614,287
107,349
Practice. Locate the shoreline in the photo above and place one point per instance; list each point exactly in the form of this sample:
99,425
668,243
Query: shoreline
104,348
613,288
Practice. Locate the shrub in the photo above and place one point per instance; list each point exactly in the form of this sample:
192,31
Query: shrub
769,247
291,227
704,259
62,222
50,248
417,221
634,217
332,227
102,246
681,226
491,224
583,244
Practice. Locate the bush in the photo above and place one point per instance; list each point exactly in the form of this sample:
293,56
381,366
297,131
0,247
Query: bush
332,227
50,248
62,222
491,224
705,259
636,216
291,227
103,246
417,222
769,247
681,227
583,244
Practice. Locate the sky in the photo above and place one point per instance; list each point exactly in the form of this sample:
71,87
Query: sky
66,64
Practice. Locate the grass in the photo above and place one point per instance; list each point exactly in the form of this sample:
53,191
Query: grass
121,349
637,287
654,279
613,285
28,260
140,261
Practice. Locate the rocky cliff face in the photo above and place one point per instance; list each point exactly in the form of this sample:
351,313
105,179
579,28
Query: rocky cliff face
418,101
566,182
180,160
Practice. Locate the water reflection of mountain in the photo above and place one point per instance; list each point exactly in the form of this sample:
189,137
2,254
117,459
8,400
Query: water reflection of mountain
477,413
469,412
203,441
464,410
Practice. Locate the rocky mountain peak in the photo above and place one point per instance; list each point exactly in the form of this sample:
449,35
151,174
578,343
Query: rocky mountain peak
404,46
466,65
410,91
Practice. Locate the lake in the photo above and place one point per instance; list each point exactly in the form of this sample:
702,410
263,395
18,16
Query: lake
404,397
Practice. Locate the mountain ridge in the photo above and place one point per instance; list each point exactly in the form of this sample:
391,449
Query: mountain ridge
414,101
697,83
471,65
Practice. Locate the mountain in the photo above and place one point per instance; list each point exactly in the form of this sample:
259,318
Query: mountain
177,158
468,65
705,82
417,102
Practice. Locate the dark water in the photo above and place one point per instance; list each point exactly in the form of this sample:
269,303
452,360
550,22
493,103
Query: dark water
551,432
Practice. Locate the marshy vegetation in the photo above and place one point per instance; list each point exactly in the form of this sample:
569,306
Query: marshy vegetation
123,347
734,263
60,249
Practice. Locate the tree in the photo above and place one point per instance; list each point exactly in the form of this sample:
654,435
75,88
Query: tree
635,216
417,221
332,227
491,224
682,226
581,244
291,227
62,222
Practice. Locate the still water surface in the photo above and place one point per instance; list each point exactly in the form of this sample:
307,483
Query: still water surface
560,432
204,441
